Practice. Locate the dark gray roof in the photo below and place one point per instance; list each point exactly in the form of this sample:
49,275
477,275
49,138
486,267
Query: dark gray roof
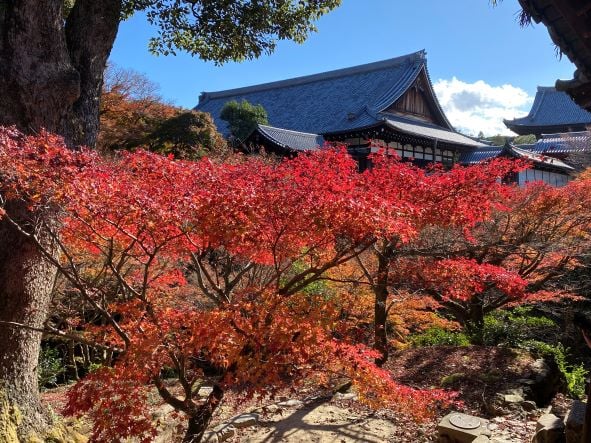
476,156
408,126
330,101
426,130
524,152
552,108
564,143
299,141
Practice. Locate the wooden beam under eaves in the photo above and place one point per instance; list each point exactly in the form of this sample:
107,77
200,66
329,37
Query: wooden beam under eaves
576,22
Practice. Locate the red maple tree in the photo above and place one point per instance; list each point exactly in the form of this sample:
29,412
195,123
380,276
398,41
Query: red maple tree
203,268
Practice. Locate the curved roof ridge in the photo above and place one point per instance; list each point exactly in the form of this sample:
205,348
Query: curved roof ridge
418,56
388,99
397,89
439,108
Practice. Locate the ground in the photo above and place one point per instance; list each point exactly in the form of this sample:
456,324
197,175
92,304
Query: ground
477,373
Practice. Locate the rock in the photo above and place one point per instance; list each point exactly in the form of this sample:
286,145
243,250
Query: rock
481,439
271,409
574,422
547,381
448,432
244,420
290,404
512,398
529,405
224,431
549,429
204,391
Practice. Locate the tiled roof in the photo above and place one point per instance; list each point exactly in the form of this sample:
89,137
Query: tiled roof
329,101
408,126
524,152
552,108
415,127
564,143
299,141
476,156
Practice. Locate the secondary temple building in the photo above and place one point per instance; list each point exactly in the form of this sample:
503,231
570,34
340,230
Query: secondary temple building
553,112
390,102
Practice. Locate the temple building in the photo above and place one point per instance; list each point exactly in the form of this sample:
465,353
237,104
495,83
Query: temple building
552,112
548,169
391,102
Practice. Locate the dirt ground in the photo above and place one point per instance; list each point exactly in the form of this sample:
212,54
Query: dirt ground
477,373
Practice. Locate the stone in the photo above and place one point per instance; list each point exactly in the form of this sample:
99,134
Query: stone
465,430
204,391
549,429
224,431
574,422
290,404
244,420
548,380
271,409
481,439
513,398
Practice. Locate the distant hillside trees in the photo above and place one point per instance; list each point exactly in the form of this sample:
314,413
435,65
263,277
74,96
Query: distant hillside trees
133,114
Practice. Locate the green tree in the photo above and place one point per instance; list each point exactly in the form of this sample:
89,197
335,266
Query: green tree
52,59
529,139
189,135
243,117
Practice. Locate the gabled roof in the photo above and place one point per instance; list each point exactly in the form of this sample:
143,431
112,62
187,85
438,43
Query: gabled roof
329,101
551,108
287,139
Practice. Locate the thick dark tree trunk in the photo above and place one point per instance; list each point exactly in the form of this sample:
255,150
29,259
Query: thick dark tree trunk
50,77
199,422
380,308
26,282
475,322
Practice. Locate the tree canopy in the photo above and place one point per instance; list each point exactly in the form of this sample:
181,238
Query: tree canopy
243,117
228,30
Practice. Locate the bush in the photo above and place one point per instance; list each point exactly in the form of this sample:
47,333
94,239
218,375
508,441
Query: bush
50,367
439,337
574,375
511,328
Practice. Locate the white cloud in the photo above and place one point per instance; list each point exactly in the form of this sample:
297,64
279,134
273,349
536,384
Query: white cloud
475,107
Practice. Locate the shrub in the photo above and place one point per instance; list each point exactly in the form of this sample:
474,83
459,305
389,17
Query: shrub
511,328
439,337
50,367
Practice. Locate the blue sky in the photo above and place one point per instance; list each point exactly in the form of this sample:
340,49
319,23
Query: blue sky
475,52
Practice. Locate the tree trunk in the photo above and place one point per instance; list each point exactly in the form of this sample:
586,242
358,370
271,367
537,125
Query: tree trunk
380,308
199,422
50,77
26,282
475,324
